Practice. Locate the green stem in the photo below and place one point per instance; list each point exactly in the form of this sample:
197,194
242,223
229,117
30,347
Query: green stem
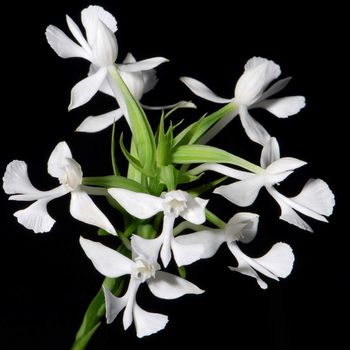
214,219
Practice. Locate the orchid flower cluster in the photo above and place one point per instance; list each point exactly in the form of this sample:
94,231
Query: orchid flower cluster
158,222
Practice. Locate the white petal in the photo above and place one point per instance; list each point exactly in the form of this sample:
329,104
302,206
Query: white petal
135,83
276,87
150,80
168,286
130,294
100,122
129,58
203,91
78,36
105,47
284,164
243,227
167,237
140,205
147,323
191,247
316,196
16,179
56,192
222,169
113,304
147,248
83,91
279,260
258,74
283,107
287,212
107,261
180,104
246,266
254,130
195,211
84,209
270,153
105,87
242,193
63,45
36,217
142,65
58,160
90,18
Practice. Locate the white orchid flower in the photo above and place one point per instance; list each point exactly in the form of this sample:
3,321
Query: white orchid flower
62,166
100,48
163,285
138,83
173,204
315,200
251,92
242,227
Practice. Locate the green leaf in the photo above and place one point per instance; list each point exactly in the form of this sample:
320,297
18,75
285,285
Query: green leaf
102,232
133,174
94,314
168,175
133,161
182,271
81,343
197,191
114,181
191,154
193,132
146,231
184,177
140,127
114,163
164,144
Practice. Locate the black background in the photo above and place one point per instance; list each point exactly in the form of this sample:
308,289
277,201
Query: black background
47,282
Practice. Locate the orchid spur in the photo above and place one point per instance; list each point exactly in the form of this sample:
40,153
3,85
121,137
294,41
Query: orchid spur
62,166
315,200
162,284
251,92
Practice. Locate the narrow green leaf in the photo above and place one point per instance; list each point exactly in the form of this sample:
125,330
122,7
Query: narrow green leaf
186,177
193,132
191,154
102,232
114,181
133,174
182,271
146,231
197,191
114,163
140,127
81,343
163,148
132,160
168,175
